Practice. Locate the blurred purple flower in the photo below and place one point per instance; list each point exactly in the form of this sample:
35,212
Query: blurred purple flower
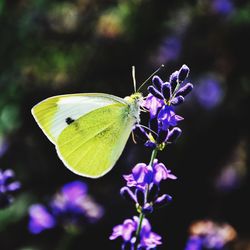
194,243
71,207
40,219
73,204
148,239
210,235
222,6
209,92
168,51
7,187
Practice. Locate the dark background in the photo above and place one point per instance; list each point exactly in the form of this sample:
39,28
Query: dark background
50,47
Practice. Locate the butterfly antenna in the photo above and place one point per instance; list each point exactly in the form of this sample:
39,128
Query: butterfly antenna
149,129
134,79
162,66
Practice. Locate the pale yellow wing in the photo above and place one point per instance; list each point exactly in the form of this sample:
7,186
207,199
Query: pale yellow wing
91,145
54,114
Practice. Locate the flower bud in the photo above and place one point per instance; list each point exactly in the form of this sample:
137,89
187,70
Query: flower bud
185,90
183,73
173,80
162,200
166,90
157,82
150,144
147,209
174,134
177,100
155,92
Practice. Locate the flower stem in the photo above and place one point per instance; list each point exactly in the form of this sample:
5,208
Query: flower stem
137,234
142,216
153,156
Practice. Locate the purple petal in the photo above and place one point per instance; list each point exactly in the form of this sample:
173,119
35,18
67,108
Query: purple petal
128,228
125,230
174,134
130,180
14,186
128,194
152,104
73,190
161,173
40,219
146,227
163,200
8,173
152,241
117,231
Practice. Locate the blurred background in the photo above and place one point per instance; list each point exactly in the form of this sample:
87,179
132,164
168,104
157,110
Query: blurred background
50,47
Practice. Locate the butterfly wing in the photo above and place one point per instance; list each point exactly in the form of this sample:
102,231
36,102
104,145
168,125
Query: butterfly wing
91,145
54,114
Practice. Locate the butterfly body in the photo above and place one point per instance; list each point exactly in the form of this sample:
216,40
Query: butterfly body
89,130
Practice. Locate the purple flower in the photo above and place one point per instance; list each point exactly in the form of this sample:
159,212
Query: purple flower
40,219
161,172
148,239
7,187
144,175
125,230
167,117
152,104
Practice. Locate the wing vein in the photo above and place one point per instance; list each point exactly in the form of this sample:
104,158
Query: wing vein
89,138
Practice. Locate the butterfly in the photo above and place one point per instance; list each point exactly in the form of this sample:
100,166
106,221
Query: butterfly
89,130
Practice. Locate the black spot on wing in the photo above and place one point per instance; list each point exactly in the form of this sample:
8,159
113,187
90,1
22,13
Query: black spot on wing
69,120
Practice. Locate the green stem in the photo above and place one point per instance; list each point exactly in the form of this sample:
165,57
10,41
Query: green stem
142,215
153,156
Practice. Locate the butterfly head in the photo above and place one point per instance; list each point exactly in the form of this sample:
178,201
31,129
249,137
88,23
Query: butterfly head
134,101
